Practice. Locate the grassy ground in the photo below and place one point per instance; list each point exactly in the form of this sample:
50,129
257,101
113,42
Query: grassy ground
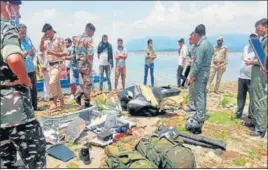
242,151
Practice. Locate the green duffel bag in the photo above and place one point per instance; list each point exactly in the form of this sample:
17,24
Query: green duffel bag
166,153
124,158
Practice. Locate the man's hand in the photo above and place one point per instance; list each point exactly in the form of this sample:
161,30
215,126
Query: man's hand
264,71
248,62
191,80
32,52
26,82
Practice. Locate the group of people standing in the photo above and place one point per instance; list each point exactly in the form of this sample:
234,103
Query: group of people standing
204,62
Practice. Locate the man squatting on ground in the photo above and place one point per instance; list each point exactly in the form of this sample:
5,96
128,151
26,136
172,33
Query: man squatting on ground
20,131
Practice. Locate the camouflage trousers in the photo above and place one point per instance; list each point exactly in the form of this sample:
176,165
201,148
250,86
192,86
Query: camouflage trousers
28,140
87,85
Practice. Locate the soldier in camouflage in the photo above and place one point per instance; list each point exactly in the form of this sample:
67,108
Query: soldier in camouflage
84,52
219,64
199,78
259,85
20,131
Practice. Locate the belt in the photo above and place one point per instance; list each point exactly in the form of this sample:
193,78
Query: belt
54,63
218,62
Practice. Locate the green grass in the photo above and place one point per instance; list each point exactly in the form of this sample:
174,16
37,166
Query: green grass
239,161
252,154
223,135
186,99
223,118
228,99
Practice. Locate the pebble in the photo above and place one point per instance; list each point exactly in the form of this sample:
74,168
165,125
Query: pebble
218,152
227,106
211,156
231,105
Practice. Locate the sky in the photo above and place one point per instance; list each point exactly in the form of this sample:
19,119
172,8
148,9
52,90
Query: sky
138,19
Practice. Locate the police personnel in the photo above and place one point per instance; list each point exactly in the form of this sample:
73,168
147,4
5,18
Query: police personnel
219,63
20,131
84,53
199,78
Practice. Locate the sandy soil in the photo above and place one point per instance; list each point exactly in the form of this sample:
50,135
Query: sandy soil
242,151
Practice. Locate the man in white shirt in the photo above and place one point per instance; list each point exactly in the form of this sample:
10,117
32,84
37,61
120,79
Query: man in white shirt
181,61
120,66
244,79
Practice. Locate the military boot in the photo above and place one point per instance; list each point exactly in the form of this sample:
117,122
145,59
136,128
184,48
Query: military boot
257,134
86,105
78,98
84,155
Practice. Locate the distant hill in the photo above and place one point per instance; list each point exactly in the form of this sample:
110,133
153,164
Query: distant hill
234,42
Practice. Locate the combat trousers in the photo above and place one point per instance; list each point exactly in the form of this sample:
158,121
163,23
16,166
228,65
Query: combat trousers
243,89
28,140
201,95
216,69
259,99
87,85
107,70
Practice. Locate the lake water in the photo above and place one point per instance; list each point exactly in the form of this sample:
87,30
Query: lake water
166,68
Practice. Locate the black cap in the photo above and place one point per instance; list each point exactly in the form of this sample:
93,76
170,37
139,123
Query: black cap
47,27
13,2
181,40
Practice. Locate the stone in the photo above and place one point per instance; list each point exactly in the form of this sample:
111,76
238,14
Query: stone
231,105
218,152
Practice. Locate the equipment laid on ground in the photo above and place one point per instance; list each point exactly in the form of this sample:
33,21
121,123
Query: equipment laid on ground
126,158
166,91
166,153
141,100
191,138
61,152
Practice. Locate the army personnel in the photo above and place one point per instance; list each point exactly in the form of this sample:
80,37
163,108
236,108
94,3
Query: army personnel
199,78
20,131
219,64
55,53
259,85
84,52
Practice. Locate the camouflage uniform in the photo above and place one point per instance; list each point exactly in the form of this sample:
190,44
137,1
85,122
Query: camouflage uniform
218,65
200,71
20,131
258,93
84,53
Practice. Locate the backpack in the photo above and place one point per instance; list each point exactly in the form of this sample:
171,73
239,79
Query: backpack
166,153
126,158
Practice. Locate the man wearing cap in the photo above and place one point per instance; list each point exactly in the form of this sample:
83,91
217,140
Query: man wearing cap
199,78
20,131
29,55
181,60
259,85
219,64
84,52
244,80
55,52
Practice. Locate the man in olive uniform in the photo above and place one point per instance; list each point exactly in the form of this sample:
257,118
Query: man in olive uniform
199,78
259,85
219,64
84,52
20,131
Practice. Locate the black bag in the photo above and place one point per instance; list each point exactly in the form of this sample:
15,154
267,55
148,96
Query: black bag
163,92
141,107
128,94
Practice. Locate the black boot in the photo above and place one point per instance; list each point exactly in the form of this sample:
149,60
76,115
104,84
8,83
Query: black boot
84,155
86,105
78,98
257,134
